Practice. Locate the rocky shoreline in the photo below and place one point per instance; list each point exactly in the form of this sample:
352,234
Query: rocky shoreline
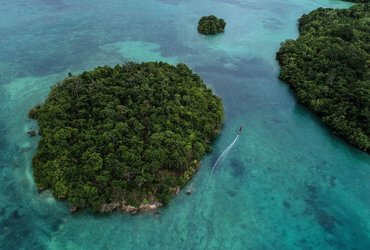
121,206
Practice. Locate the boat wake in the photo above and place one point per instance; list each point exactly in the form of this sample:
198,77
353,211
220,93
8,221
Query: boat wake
223,155
218,162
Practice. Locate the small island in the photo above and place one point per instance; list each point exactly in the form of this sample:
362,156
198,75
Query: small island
210,25
328,68
127,137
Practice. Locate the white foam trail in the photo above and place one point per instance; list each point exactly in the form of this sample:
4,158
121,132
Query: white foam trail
223,155
219,160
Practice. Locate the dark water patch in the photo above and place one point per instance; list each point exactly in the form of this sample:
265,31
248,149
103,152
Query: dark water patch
275,7
302,241
17,235
15,215
338,244
63,54
245,68
286,204
238,169
19,230
14,220
326,221
244,226
56,224
3,142
312,192
317,208
272,24
170,43
174,48
231,193
333,181
9,187
351,232
58,58
255,67
56,4
3,130
276,120
20,48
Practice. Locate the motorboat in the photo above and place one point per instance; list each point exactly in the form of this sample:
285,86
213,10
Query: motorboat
240,130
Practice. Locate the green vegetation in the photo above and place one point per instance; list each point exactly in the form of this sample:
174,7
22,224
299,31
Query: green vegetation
130,133
328,68
210,25
358,1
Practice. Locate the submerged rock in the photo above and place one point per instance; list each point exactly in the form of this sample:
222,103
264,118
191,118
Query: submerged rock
32,133
189,191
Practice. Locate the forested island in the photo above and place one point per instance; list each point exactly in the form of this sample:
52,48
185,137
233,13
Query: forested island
127,137
210,25
328,68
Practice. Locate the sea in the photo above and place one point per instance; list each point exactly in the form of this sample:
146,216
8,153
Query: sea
286,182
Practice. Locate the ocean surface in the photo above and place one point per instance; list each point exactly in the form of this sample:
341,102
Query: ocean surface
287,182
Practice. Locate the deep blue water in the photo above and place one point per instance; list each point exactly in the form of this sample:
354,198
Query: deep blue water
287,183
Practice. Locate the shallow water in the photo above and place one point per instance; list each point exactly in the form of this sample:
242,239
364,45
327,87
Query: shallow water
286,184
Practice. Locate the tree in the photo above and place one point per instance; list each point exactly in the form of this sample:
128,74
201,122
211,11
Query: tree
132,132
210,25
328,68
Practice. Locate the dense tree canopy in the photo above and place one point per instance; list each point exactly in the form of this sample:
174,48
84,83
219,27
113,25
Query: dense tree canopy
210,25
358,1
130,133
328,68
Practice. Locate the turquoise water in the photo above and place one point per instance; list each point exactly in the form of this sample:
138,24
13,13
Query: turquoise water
287,183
